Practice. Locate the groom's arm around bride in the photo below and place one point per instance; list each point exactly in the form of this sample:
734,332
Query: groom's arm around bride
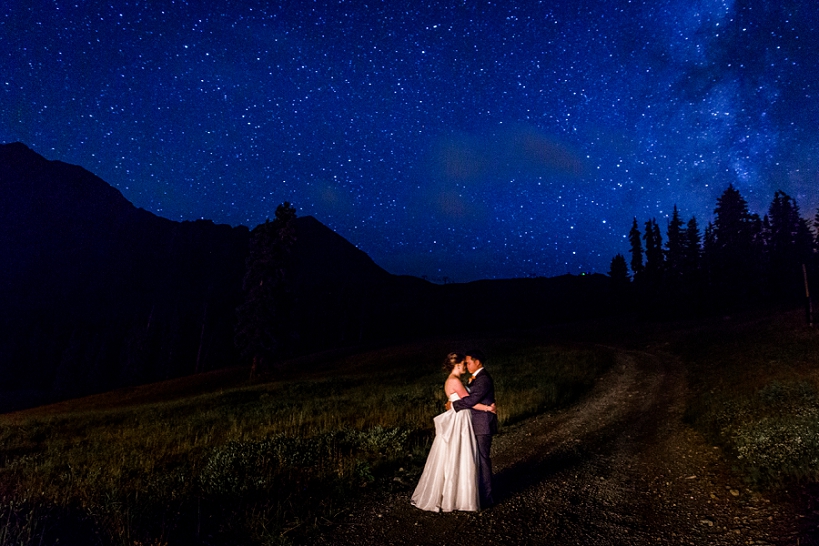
484,423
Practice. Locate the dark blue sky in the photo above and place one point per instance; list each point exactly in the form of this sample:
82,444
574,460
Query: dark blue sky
462,139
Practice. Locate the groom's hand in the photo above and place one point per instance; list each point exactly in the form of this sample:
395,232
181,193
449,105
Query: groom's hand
448,405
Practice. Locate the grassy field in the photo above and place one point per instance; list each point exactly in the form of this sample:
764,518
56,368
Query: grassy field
218,460
756,386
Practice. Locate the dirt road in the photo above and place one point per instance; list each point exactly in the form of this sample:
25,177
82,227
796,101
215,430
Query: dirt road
619,467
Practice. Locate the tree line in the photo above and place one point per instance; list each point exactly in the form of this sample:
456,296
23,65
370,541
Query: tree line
738,260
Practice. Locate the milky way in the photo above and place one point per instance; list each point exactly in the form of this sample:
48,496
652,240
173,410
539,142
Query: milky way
464,140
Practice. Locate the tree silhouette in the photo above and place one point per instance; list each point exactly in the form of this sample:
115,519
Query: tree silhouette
635,240
262,328
732,223
739,260
734,253
691,251
618,271
788,244
816,227
654,252
675,247
709,251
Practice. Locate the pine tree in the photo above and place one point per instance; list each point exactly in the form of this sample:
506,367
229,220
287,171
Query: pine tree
691,250
618,271
804,242
635,239
816,228
788,244
782,224
732,223
658,251
736,256
709,251
675,246
263,319
766,232
654,251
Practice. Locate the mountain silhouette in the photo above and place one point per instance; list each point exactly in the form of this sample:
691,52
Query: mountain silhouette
96,293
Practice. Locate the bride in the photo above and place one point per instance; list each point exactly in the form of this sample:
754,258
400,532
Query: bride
450,478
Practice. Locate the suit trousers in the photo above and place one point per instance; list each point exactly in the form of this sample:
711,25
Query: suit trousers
484,442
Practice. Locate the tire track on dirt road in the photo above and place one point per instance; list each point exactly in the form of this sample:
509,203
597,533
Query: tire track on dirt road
618,467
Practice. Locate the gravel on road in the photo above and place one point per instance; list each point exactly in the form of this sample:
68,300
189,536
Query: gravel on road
619,467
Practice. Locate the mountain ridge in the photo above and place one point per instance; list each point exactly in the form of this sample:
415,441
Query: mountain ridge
99,294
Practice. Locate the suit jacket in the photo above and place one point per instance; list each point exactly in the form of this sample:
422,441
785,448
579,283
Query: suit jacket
482,391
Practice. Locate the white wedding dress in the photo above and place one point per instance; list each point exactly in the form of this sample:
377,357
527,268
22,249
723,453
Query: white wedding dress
450,478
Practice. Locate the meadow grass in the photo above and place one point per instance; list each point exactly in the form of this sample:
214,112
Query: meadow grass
756,394
242,463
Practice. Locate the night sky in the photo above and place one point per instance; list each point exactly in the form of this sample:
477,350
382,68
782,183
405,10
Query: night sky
460,139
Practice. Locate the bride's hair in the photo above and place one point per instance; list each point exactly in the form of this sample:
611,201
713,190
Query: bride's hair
452,359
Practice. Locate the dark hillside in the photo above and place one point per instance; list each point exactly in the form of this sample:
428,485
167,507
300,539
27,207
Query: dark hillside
96,293
521,303
338,288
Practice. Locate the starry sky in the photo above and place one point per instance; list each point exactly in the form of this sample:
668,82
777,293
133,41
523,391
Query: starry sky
462,139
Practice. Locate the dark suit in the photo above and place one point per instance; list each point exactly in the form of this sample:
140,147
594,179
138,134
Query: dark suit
484,424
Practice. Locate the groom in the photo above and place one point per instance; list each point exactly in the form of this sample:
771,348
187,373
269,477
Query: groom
484,423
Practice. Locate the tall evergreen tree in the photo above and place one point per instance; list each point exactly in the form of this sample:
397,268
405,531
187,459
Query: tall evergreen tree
737,256
766,233
783,216
788,243
262,328
658,251
708,256
732,222
804,241
816,229
654,251
691,249
635,240
675,246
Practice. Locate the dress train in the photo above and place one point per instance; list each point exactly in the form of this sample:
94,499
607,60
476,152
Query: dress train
450,478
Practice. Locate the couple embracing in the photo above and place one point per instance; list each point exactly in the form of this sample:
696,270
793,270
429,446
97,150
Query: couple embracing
458,471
